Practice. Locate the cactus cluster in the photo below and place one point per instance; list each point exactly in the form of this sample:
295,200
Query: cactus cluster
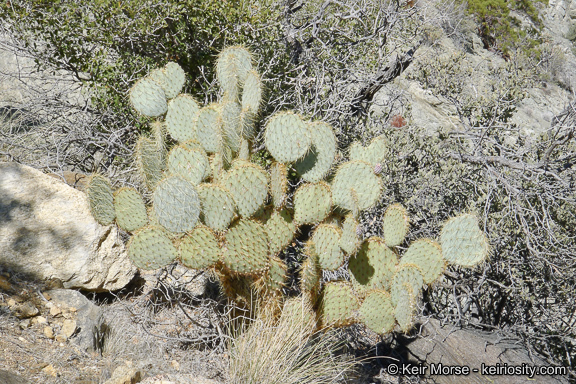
213,208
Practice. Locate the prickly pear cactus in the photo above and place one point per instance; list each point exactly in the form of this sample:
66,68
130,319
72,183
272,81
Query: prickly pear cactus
211,207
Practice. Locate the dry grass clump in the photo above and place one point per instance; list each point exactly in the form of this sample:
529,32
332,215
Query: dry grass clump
287,351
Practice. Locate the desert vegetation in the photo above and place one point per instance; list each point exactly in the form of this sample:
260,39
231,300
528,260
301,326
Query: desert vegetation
346,64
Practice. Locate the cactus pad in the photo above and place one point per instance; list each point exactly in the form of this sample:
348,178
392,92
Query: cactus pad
278,184
310,274
374,154
280,229
171,79
181,118
248,185
275,278
373,267
318,161
395,225
150,161
176,204
230,114
101,199
190,164
298,308
312,203
355,186
246,248
326,240
150,248
426,254
405,309
287,137
232,68
209,128
148,98
377,312
252,92
410,274
350,241
338,305
463,243
130,209
200,249
218,207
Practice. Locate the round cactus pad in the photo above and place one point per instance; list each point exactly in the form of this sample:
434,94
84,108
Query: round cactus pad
426,254
130,209
462,241
218,207
374,266
171,78
374,154
190,164
355,185
312,203
338,304
317,163
150,248
326,239
377,312
287,137
410,274
248,185
181,118
246,248
280,229
176,204
148,98
200,249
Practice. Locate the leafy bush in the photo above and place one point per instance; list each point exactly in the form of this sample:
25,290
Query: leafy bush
502,31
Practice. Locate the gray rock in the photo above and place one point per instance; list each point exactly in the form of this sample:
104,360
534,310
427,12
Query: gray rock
451,346
7,377
90,328
47,231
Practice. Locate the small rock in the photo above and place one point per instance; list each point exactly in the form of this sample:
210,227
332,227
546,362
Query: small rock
88,317
24,324
125,374
39,320
61,338
25,310
11,302
55,311
50,370
68,328
22,339
174,364
49,332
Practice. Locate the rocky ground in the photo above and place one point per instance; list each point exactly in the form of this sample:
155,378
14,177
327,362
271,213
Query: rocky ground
53,335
